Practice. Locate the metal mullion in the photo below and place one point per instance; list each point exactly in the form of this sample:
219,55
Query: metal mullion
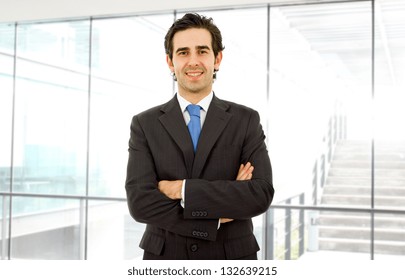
372,214
84,216
10,209
268,216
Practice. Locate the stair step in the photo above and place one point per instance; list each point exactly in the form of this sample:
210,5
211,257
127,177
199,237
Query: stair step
360,214
378,164
365,181
361,233
394,157
364,246
348,184
349,146
365,200
358,220
378,145
364,172
361,190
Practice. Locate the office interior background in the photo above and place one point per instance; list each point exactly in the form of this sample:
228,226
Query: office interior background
327,77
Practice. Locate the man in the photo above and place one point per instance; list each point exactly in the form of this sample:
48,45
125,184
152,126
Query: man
190,173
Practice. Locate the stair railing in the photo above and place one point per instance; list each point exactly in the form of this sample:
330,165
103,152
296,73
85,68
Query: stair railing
286,233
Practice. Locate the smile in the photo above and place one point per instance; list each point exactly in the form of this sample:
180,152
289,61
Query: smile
194,74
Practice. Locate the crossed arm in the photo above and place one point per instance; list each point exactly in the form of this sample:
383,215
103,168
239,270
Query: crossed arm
172,189
156,202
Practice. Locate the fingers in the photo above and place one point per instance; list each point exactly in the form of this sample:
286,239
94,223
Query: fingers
172,189
225,220
245,172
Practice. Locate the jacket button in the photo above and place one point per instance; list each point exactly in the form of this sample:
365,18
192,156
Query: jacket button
194,248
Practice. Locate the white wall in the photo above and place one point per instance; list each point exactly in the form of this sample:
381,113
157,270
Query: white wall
31,10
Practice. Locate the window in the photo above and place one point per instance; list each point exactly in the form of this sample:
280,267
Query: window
326,78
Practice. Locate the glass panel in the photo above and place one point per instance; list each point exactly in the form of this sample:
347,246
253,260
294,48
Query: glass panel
320,75
129,75
4,226
287,230
44,228
389,98
51,108
7,32
319,113
389,133
6,102
112,233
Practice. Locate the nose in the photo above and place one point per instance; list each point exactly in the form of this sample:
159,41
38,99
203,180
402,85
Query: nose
193,61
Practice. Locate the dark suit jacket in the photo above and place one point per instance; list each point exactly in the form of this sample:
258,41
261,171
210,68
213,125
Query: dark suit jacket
160,148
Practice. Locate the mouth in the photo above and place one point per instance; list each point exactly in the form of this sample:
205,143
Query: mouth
194,74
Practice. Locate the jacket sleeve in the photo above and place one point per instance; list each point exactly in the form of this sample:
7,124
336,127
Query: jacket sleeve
235,199
147,204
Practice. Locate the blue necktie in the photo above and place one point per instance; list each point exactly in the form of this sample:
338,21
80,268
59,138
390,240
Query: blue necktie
194,126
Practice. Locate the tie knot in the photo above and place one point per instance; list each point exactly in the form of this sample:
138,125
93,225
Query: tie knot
194,110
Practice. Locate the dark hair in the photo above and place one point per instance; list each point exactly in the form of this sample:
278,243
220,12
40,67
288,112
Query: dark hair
194,21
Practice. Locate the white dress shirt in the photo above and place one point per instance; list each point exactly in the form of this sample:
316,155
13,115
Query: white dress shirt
204,104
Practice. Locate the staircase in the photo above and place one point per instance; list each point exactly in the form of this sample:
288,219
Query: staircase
349,184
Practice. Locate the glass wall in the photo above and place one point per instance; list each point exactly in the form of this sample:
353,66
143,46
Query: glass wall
389,145
125,70
6,101
327,80
50,131
7,32
320,86
389,95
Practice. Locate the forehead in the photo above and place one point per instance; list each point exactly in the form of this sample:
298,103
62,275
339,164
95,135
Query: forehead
191,38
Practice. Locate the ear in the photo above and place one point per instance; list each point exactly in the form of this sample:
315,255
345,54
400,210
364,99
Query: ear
218,60
170,63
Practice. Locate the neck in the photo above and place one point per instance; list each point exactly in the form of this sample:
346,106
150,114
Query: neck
194,97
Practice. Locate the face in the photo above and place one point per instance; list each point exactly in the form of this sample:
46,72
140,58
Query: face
193,61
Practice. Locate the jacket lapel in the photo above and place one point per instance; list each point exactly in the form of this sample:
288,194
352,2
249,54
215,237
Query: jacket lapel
173,122
215,122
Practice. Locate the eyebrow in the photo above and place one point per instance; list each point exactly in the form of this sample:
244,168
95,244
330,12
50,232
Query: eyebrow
182,49
203,47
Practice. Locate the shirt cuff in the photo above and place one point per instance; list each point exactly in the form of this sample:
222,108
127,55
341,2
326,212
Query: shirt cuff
183,194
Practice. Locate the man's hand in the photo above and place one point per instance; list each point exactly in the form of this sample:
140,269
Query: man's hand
245,173
225,220
172,189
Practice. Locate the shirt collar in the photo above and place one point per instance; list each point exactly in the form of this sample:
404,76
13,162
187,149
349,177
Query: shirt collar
204,103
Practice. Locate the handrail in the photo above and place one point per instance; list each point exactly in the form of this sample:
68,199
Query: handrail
341,209
64,196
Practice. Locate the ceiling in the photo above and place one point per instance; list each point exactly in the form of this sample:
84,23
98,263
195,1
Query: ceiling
344,31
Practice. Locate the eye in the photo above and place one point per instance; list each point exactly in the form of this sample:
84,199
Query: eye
182,53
